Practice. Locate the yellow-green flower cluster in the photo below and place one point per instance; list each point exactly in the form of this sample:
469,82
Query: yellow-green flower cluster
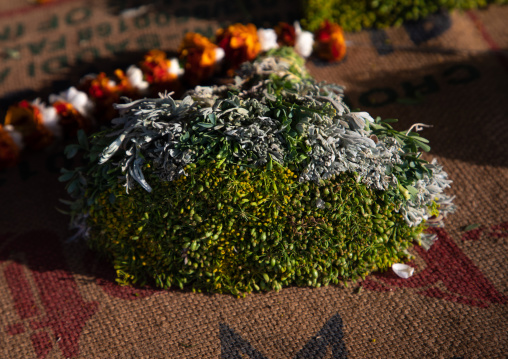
237,229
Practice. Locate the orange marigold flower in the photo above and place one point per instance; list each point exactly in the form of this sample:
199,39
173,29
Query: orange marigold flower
27,119
123,84
103,89
286,34
100,87
330,42
157,68
104,92
70,119
9,150
200,56
240,44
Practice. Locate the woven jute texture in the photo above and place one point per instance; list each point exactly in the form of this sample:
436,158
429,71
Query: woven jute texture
58,300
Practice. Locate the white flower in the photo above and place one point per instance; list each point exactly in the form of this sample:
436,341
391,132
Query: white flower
50,117
16,136
268,39
219,54
78,99
403,270
304,41
174,67
135,76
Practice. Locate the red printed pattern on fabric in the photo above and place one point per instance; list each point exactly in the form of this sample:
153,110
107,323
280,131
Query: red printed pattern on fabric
54,302
497,231
448,266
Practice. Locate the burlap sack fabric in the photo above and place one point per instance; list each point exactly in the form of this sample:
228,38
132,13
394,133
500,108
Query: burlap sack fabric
58,300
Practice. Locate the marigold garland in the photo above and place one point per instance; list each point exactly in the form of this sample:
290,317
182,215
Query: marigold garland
201,58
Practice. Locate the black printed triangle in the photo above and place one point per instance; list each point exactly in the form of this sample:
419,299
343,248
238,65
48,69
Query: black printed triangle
329,338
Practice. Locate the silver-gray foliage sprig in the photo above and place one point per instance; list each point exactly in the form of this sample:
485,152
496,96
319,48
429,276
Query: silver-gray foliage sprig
427,190
144,124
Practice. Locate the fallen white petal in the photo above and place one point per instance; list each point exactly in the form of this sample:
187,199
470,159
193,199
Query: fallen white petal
403,270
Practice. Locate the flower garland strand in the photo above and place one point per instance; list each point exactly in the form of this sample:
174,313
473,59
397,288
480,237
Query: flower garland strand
36,125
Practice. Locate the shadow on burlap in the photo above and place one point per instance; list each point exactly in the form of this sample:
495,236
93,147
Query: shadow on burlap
59,300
